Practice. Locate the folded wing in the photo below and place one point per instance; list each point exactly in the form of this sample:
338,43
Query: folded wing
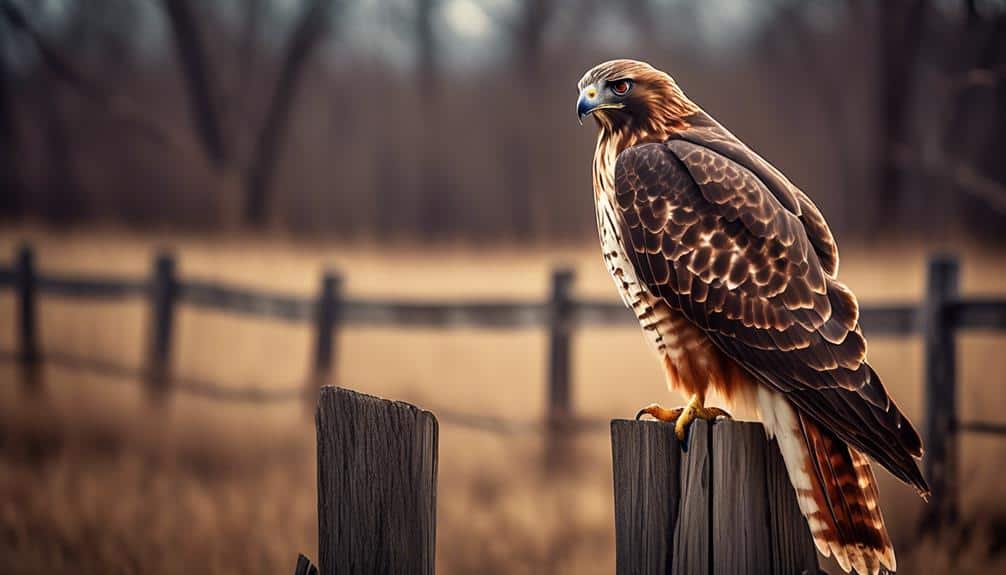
754,267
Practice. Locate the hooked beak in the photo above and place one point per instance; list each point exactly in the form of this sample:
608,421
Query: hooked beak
591,100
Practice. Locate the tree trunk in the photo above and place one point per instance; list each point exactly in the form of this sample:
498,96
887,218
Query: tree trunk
975,134
901,26
436,197
11,204
62,199
246,61
524,152
310,30
197,71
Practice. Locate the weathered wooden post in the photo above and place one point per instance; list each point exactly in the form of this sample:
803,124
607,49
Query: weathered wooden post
725,505
29,357
304,566
377,485
326,322
560,326
940,350
163,295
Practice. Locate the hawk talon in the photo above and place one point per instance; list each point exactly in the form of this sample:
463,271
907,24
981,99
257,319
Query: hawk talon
660,413
683,416
696,409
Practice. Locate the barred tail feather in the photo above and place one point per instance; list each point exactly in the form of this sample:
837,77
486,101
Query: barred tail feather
835,488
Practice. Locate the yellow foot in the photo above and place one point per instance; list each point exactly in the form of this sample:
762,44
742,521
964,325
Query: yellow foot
683,416
660,413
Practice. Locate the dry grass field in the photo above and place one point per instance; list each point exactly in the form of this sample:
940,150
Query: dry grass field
94,481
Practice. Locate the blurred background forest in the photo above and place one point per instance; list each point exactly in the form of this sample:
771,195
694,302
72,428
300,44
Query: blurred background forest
428,151
452,119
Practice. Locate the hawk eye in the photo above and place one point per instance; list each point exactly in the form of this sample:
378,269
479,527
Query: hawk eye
621,87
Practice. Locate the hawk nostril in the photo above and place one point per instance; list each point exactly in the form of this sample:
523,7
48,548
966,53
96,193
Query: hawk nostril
591,93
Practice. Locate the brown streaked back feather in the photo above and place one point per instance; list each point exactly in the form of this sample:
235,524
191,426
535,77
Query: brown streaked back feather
706,132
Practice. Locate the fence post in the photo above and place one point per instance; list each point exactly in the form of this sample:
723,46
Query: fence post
941,391
377,485
304,566
163,295
29,357
560,325
326,322
726,505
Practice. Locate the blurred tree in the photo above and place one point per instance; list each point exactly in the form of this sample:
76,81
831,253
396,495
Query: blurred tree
525,156
10,177
259,175
312,27
436,191
418,147
901,25
62,201
197,71
247,52
975,130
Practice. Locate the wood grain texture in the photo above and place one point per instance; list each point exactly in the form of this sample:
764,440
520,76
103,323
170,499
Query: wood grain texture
377,474
646,510
741,509
692,535
725,505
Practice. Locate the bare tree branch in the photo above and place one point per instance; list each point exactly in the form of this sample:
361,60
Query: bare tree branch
118,108
312,27
196,68
241,89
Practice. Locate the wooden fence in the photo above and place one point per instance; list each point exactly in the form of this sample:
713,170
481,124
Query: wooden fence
721,502
938,319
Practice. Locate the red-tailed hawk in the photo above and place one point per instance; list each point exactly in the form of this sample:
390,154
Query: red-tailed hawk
733,274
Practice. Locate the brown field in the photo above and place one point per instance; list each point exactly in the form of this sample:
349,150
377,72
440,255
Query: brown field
92,481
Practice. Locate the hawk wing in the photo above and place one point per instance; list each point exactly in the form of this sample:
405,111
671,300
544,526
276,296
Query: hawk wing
723,238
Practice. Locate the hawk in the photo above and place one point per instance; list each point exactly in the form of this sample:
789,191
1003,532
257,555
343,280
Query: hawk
732,272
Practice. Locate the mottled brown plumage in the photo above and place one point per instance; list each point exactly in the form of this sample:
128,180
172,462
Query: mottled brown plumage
733,274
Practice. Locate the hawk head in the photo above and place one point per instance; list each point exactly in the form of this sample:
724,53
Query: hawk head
628,93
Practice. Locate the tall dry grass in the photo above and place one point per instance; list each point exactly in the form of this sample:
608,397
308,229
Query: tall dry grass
92,481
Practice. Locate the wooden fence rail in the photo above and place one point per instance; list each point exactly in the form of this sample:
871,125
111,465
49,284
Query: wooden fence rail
938,319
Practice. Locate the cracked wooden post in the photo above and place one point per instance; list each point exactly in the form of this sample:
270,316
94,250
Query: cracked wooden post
377,485
725,505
